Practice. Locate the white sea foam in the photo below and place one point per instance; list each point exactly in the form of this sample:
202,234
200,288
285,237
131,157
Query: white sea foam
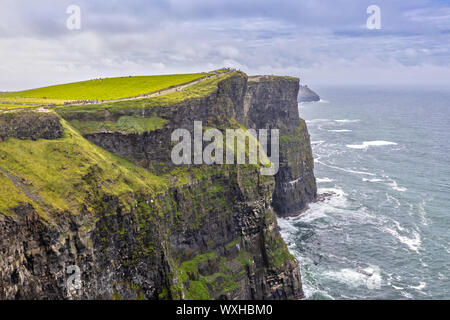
346,170
323,101
414,242
369,277
334,203
393,199
389,181
397,288
406,295
336,192
421,286
317,120
372,180
317,210
289,233
423,213
317,142
313,213
347,121
367,144
287,229
340,130
323,180
425,265
396,187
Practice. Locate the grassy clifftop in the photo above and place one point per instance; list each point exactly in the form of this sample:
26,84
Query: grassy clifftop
99,89
199,90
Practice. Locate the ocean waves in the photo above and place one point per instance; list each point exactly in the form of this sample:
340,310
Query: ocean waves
410,238
381,230
393,184
324,180
321,120
367,144
347,120
370,277
345,170
340,130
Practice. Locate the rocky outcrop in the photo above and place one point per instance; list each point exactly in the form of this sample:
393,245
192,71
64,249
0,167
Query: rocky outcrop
30,125
197,232
307,95
271,102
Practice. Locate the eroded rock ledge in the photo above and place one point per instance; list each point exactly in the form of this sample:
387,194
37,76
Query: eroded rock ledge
30,125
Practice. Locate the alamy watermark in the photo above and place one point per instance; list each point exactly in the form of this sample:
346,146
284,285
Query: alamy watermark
241,145
374,20
74,20
73,282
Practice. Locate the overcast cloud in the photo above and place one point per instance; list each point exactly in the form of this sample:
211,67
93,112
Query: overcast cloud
322,42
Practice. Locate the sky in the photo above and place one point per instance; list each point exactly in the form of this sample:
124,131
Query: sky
324,42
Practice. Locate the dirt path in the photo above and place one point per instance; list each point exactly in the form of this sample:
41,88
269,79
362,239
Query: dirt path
169,90
142,96
24,186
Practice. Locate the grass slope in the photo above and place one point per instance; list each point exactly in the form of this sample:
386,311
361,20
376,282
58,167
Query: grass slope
11,196
29,101
125,124
64,173
100,89
199,90
13,106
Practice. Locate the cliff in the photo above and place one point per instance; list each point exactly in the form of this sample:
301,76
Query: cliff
307,95
100,193
271,102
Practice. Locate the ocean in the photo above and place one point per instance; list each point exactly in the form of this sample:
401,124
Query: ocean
382,158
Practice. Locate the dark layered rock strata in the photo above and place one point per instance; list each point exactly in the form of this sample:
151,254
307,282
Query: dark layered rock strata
30,125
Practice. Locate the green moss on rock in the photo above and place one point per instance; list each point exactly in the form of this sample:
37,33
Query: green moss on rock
125,125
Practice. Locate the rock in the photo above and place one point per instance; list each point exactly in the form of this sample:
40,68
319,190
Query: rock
307,95
30,125
272,103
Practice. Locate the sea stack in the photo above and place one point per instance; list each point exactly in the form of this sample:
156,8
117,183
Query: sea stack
307,95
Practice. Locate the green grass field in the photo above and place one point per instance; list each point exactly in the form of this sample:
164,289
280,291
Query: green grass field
30,101
99,89
12,106
198,90
124,124
43,163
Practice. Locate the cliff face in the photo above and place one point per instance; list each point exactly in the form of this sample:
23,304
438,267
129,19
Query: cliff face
271,102
149,229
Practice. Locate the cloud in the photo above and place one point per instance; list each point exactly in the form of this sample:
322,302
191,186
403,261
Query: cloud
323,42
